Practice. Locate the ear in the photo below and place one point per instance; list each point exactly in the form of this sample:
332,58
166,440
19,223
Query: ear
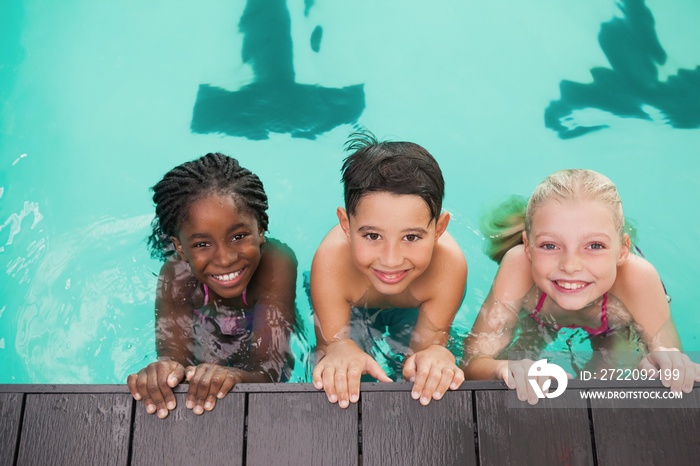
178,248
624,249
526,243
441,224
344,221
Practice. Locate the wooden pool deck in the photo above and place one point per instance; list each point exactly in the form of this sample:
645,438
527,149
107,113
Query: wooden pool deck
482,423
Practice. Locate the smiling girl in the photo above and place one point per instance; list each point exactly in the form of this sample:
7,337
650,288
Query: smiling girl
565,262
225,297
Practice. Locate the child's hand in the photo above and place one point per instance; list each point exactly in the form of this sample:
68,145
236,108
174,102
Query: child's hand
676,370
209,382
432,372
340,370
154,383
515,375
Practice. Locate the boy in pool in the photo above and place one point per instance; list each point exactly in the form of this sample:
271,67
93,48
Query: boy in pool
391,254
565,262
225,301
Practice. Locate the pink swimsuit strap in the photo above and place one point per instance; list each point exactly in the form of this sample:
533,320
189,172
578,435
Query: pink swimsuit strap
594,332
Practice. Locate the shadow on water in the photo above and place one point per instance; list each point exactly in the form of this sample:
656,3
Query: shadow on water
632,85
274,102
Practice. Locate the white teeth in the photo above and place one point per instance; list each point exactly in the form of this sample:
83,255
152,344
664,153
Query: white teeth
227,277
571,286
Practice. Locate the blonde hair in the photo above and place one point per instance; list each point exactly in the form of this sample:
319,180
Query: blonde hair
577,184
503,226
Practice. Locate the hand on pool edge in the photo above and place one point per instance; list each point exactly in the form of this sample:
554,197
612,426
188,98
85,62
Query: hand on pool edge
207,384
340,370
154,383
433,371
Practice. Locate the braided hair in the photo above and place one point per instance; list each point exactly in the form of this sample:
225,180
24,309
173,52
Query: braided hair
213,173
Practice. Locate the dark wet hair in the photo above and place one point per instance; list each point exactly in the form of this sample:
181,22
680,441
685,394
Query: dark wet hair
213,173
392,167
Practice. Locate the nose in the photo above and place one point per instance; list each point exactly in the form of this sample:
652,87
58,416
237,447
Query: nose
571,262
226,256
391,255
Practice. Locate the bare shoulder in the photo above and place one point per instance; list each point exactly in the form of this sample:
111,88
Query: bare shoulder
333,254
176,285
448,251
636,279
514,277
332,268
278,253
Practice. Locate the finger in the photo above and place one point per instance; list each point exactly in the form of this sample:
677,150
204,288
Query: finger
193,375
422,374
447,374
409,369
153,379
131,383
317,376
431,385
328,377
373,368
203,386
218,377
229,382
354,377
176,376
519,382
341,387
457,380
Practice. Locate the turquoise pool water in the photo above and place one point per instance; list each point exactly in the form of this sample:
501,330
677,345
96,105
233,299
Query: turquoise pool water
99,99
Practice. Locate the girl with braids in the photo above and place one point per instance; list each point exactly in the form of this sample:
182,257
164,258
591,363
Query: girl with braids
225,296
565,262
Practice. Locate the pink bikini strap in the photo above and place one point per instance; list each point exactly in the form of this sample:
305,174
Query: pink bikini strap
245,300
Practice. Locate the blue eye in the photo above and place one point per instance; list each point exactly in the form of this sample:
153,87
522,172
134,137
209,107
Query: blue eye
597,246
548,247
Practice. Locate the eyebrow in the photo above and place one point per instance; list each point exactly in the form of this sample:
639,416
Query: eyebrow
366,228
206,235
587,237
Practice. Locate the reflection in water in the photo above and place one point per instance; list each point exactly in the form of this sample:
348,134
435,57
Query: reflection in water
631,88
274,102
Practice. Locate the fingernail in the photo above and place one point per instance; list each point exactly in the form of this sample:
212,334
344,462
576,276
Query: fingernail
137,397
162,413
343,403
220,395
207,405
412,379
333,398
354,398
198,409
189,404
424,401
150,409
318,385
454,386
437,395
172,381
415,395
171,405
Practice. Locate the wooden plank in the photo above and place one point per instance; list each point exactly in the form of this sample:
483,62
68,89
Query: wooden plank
75,429
647,435
184,438
555,431
397,429
300,428
10,412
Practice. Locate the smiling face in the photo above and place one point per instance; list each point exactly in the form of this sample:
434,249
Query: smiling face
221,242
392,238
575,250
